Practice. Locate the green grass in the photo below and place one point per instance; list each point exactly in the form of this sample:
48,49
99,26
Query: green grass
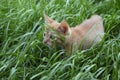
23,56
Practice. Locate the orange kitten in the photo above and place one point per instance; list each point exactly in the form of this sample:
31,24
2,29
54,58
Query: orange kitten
88,32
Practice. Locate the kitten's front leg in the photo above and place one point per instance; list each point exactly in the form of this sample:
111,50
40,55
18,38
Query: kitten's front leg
69,49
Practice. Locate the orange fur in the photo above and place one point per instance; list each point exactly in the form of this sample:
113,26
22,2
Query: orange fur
88,32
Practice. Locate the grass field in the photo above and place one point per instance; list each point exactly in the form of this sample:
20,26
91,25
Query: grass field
23,56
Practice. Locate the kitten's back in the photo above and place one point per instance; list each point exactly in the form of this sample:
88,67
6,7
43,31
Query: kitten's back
92,29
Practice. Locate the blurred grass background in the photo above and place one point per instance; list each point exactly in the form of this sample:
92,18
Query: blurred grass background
23,56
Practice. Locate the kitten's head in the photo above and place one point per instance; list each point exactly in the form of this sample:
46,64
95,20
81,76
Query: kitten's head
55,31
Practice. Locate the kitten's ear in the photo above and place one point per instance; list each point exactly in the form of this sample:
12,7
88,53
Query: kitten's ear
63,27
48,19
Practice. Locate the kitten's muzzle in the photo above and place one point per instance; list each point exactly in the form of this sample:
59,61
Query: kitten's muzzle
47,42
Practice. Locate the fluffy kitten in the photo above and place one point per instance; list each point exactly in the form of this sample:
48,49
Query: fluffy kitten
89,32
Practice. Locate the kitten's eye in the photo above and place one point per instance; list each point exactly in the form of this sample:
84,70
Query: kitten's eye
52,37
44,34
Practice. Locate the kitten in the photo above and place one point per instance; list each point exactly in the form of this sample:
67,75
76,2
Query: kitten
88,32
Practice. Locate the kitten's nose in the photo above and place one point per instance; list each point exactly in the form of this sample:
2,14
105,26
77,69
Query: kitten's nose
47,42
